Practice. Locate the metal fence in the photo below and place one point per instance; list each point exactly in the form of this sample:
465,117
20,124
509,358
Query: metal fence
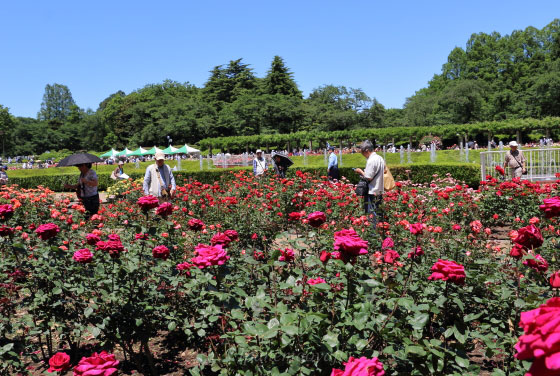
542,164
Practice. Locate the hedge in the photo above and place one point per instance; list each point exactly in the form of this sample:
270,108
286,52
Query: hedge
418,173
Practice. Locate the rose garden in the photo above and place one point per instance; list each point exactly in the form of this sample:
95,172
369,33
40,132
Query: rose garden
283,277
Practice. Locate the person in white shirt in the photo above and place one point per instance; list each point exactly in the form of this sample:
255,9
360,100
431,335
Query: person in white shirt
159,180
259,164
373,173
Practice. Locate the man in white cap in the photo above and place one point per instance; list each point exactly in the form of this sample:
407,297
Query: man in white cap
159,180
259,164
515,160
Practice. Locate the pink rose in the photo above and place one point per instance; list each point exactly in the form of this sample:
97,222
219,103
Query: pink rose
360,367
287,255
102,364
315,281
387,243
555,280
195,224
390,256
416,228
83,256
448,270
114,237
209,255
540,341
538,263
47,231
456,227
551,207
59,362
160,252
349,243
6,211
92,239
184,267
317,218
113,247
164,209
148,202
232,235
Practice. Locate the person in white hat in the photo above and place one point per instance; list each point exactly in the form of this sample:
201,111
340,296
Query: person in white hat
515,160
259,164
159,180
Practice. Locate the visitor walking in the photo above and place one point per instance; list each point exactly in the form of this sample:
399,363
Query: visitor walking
515,160
373,174
87,188
3,175
259,164
332,168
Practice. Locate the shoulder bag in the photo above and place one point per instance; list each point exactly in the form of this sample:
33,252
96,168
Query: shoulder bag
388,180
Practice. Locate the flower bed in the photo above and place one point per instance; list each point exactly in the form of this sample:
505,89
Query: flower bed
283,276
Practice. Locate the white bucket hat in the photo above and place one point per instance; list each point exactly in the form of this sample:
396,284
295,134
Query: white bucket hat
160,155
513,143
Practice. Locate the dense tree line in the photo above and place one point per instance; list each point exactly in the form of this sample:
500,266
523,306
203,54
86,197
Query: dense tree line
492,78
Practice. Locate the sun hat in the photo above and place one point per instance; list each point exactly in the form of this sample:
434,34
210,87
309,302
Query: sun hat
513,143
160,155
121,163
259,151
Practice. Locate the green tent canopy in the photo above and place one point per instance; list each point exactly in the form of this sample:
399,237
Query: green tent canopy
169,150
138,152
152,151
125,153
186,149
109,154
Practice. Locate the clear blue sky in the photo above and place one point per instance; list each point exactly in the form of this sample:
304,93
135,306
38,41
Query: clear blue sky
389,49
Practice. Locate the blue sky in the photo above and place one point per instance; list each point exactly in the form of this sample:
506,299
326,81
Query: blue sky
389,49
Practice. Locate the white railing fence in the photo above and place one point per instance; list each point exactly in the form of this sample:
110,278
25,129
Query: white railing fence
542,164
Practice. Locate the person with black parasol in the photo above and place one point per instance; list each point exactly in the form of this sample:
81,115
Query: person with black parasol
281,163
86,188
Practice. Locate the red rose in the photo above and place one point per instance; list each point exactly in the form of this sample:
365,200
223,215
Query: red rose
387,243
360,367
232,235
184,267
551,207
209,255
83,256
6,231
161,252
315,281
221,239
349,243
114,237
317,218
418,251
390,256
517,251
416,228
47,231
448,270
555,280
538,263
92,239
325,256
529,237
148,202
295,216
115,248
500,170
59,362
195,224
164,209
541,339
286,255
102,364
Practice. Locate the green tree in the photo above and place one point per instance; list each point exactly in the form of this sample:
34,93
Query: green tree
225,85
6,129
57,104
279,79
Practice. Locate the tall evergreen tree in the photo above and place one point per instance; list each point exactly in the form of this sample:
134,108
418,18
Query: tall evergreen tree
57,104
279,79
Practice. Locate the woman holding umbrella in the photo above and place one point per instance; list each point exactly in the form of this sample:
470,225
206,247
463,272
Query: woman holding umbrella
87,182
281,164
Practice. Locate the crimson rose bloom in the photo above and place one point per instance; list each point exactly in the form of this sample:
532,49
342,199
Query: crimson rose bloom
418,251
390,256
349,243
6,231
325,256
448,270
161,252
6,211
551,207
529,237
360,367
541,339
92,239
315,281
47,231
294,216
517,251
555,280
317,218
148,202
164,209
115,248
538,263
209,255
59,362
83,256
195,224
387,243
232,235
287,255
184,267
416,228
500,170
102,364
114,237
221,239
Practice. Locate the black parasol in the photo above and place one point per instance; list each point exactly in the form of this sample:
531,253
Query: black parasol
284,161
78,159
